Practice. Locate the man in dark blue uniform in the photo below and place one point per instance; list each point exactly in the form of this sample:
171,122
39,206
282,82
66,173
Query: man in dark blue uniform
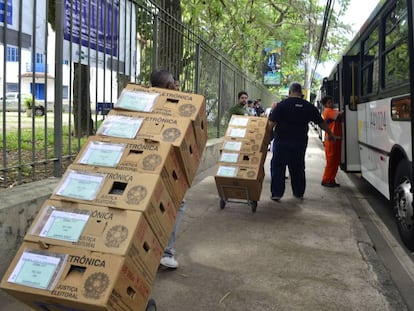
289,124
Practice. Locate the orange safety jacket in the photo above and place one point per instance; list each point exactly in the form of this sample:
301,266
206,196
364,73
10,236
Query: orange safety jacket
332,146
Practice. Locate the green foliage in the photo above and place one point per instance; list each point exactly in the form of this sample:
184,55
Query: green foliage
28,102
23,152
240,28
27,139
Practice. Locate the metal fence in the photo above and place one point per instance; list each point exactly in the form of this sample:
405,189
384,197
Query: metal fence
65,63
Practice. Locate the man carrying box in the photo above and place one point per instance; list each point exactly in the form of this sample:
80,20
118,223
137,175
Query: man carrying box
164,79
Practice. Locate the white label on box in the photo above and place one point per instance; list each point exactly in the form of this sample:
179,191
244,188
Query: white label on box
238,121
227,171
103,154
64,226
118,126
237,132
82,186
229,157
232,145
137,101
35,270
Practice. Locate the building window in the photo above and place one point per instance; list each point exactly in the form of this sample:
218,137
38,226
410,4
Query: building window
12,87
12,54
65,92
39,58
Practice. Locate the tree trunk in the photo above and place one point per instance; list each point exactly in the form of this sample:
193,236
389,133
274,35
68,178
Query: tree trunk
123,80
83,123
170,48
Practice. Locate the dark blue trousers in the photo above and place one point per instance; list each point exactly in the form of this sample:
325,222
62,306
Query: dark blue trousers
292,155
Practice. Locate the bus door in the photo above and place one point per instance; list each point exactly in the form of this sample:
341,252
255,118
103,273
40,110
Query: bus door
329,87
349,95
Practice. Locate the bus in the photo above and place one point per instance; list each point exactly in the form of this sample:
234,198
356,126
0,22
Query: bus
372,83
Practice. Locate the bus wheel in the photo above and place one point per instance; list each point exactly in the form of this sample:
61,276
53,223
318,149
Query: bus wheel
403,203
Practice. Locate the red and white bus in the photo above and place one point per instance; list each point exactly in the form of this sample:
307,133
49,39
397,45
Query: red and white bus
373,83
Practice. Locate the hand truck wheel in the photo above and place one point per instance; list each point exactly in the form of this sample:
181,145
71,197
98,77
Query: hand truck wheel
253,205
222,203
151,306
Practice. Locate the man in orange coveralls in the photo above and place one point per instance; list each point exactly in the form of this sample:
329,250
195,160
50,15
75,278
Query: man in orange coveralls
333,117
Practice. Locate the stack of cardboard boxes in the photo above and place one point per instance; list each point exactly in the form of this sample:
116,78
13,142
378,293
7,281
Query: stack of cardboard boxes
96,243
240,170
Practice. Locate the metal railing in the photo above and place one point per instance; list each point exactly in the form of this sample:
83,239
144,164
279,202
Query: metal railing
89,51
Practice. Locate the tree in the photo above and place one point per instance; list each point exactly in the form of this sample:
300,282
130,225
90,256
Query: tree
240,28
166,16
81,101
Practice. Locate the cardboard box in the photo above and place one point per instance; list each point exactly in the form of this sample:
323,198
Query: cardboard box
174,130
242,158
138,155
243,145
121,189
168,103
248,121
62,278
99,229
239,182
249,128
257,135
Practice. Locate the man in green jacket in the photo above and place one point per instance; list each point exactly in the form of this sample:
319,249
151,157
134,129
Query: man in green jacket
241,107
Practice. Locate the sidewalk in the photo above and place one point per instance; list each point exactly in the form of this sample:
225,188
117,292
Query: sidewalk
289,255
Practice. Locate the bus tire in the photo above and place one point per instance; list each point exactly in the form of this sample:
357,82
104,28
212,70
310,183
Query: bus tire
403,203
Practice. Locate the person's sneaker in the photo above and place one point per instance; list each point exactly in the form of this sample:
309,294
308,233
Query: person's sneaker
274,198
169,262
336,184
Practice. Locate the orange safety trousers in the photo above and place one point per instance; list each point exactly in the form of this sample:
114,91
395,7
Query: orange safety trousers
333,159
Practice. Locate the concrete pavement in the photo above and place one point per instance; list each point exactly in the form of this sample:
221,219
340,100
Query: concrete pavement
293,255
289,255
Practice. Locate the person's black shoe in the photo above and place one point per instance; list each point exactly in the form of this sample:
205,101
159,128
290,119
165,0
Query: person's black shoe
336,184
329,184
300,198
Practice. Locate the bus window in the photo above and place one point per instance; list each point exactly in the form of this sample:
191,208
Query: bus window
401,109
396,55
370,67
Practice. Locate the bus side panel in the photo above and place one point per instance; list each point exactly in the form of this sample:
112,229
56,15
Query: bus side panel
377,147
380,134
374,168
362,124
374,164
350,151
